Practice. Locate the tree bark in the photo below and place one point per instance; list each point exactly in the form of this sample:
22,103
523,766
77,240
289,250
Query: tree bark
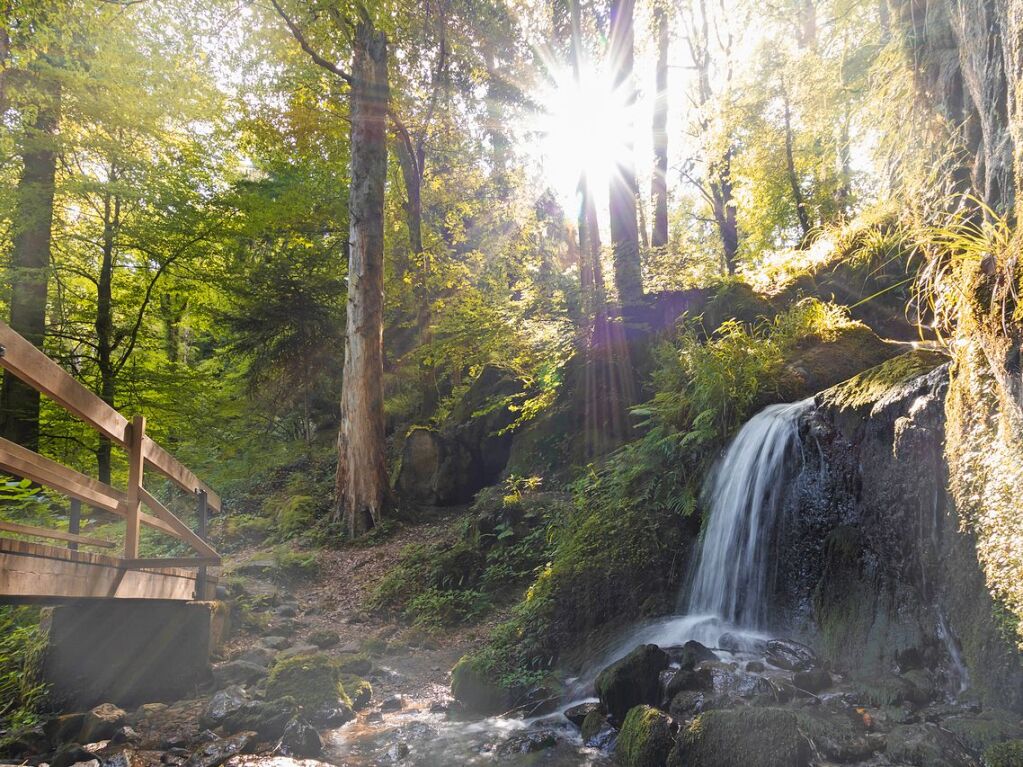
623,192
659,183
30,259
362,487
105,339
790,167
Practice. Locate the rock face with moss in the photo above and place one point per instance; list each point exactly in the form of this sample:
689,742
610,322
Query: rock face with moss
752,737
645,739
874,546
632,681
312,681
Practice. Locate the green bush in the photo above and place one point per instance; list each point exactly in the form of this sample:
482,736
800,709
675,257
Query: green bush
295,565
437,608
296,515
22,643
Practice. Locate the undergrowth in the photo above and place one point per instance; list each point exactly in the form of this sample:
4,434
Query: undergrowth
22,642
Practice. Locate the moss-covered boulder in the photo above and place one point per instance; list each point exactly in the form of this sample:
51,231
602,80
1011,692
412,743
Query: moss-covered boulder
359,691
986,729
632,681
474,687
751,737
312,681
1007,754
645,739
926,745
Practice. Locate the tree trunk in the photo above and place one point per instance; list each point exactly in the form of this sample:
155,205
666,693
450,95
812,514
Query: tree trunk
724,211
623,192
362,488
30,260
659,183
790,168
105,320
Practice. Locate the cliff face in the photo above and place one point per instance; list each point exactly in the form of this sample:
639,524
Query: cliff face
873,558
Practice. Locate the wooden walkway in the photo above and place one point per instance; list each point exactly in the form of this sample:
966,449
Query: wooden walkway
37,572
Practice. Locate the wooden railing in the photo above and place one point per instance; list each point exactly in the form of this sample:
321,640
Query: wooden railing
37,370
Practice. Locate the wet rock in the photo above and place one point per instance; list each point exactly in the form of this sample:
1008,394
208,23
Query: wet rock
243,760
125,734
71,753
358,690
219,751
64,728
926,745
324,639
393,703
790,655
476,690
751,737
300,739
981,731
331,714
528,742
576,714
646,738
755,667
685,679
838,736
919,686
814,681
101,722
689,703
729,642
691,653
597,732
275,642
266,718
632,681
223,703
312,681
237,672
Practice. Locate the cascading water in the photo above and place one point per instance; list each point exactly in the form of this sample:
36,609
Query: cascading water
743,496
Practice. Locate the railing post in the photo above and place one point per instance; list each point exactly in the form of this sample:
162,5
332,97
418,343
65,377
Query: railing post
200,577
137,432
74,524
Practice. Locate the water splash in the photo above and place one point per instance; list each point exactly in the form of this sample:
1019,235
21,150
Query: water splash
744,495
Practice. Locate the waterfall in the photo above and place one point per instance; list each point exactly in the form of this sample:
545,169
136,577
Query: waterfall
743,496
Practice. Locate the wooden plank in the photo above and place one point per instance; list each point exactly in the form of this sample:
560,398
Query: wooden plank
133,503
182,530
30,465
56,535
158,562
43,374
170,467
46,574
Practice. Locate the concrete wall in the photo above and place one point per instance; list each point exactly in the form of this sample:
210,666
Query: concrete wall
130,652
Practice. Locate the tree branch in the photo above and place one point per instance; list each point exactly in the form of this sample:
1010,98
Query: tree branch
313,54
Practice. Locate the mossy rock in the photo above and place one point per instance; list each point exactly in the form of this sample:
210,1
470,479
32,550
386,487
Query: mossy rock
1007,754
926,745
645,738
980,732
357,663
751,737
473,687
837,737
313,681
816,366
358,690
632,681
324,638
592,725
872,385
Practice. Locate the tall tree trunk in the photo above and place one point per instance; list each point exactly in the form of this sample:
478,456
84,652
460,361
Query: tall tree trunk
30,259
362,488
790,167
659,183
724,211
104,324
623,192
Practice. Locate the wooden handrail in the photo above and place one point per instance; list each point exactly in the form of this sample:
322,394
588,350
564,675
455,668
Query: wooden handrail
38,371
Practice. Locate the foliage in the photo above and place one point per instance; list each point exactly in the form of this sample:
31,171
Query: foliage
22,642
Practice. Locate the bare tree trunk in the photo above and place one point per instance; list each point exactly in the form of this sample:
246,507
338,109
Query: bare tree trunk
362,488
104,323
659,183
30,260
624,191
790,167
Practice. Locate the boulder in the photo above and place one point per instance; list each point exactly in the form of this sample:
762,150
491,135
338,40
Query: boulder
751,737
685,679
926,745
474,689
528,742
646,738
223,703
71,753
299,649
332,714
275,642
358,690
632,681
261,656
312,681
64,728
267,719
691,653
216,752
240,672
596,731
324,638
101,722
355,663
814,681
300,739
790,655
578,713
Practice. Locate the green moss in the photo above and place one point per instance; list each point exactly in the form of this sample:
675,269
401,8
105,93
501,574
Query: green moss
295,565
354,663
752,737
295,515
979,732
645,738
592,724
870,386
311,680
247,527
473,684
1008,754
358,690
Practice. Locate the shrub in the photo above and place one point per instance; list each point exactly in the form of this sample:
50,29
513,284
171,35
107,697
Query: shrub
22,643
